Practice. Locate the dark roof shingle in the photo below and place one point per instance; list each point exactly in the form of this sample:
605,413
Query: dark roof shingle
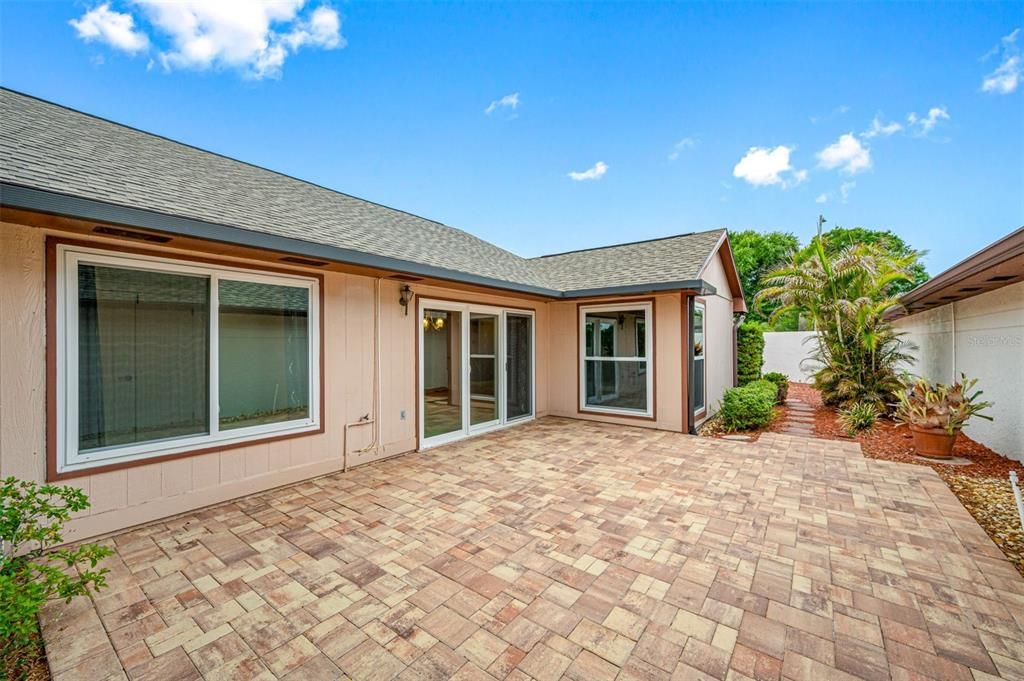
47,147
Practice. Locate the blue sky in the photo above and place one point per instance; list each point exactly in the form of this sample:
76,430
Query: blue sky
701,116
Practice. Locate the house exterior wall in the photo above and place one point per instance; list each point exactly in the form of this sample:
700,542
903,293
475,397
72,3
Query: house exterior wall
983,337
563,378
719,349
141,493
151,490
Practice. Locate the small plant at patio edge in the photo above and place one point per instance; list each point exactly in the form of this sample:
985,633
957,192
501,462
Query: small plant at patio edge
781,382
32,518
749,406
858,417
940,406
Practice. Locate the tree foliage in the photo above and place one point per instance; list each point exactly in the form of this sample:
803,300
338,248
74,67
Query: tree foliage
847,296
839,239
756,254
759,253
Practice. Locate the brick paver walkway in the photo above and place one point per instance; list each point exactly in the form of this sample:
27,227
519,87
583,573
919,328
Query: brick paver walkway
799,418
565,549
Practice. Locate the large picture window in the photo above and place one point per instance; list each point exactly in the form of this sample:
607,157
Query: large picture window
158,356
615,374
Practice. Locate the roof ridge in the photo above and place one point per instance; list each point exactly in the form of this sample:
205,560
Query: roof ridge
233,159
627,243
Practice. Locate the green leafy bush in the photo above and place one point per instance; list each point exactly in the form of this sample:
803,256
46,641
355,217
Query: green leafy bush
749,352
749,406
32,519
858,417
781,382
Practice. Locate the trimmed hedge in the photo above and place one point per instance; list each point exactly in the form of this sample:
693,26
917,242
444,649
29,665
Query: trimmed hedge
781,382
749,406
749,352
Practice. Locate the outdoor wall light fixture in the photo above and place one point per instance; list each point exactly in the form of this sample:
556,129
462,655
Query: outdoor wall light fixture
404,297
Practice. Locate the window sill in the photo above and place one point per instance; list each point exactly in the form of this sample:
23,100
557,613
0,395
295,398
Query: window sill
617,413
169,454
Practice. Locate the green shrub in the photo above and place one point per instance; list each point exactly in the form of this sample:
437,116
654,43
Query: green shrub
781,382
857,417
749,352
32,518
749,406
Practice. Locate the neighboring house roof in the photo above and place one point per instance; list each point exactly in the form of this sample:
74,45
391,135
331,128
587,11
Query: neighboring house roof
999,264
57,160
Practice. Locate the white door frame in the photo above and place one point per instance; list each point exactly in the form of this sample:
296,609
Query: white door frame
468,429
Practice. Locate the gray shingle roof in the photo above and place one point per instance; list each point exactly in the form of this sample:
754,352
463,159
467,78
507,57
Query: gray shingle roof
48,147
672,258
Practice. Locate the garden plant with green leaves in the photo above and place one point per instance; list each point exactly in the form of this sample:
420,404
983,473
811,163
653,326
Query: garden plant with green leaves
32,570
847,296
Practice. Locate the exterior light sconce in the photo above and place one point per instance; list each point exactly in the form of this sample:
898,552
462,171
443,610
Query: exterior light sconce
404,297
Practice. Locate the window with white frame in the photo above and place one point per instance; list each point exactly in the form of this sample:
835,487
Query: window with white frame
615,373
159,356
699,373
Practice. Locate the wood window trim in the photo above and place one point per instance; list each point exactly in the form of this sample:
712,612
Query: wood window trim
652,368
52,244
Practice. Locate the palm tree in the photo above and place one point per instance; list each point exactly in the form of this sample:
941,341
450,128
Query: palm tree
847,297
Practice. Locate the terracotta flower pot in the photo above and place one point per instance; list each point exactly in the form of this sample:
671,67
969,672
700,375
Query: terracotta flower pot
933,442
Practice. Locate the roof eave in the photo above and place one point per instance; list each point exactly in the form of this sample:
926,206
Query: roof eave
55,203
1009,246
27,198
696,286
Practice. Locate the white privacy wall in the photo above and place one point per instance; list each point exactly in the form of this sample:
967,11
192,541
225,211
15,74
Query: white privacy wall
785,352
982,337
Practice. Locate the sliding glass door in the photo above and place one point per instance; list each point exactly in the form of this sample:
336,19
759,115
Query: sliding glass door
518,366
476,369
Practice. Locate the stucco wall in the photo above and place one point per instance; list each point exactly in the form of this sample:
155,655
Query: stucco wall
987,344
786,352
718,343
146,492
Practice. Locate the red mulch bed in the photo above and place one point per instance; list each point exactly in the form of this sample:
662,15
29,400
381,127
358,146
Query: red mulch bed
892,442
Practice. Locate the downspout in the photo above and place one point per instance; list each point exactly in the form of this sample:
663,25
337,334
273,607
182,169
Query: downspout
952,324
374,417
690,428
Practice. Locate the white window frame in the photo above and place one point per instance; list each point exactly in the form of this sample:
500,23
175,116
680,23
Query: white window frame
702,307
69,458
648,309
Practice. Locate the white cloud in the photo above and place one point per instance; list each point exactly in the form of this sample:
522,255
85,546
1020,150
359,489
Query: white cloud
822,198
508,101
116,29
253,37
878,128
1008,75
762,166
925,124
845,189
596,172
1005,78
681,146
847,154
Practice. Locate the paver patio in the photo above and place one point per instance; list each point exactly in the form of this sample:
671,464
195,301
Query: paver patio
565,549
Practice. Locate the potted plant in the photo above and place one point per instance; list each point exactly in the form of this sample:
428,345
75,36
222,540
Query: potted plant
936,413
